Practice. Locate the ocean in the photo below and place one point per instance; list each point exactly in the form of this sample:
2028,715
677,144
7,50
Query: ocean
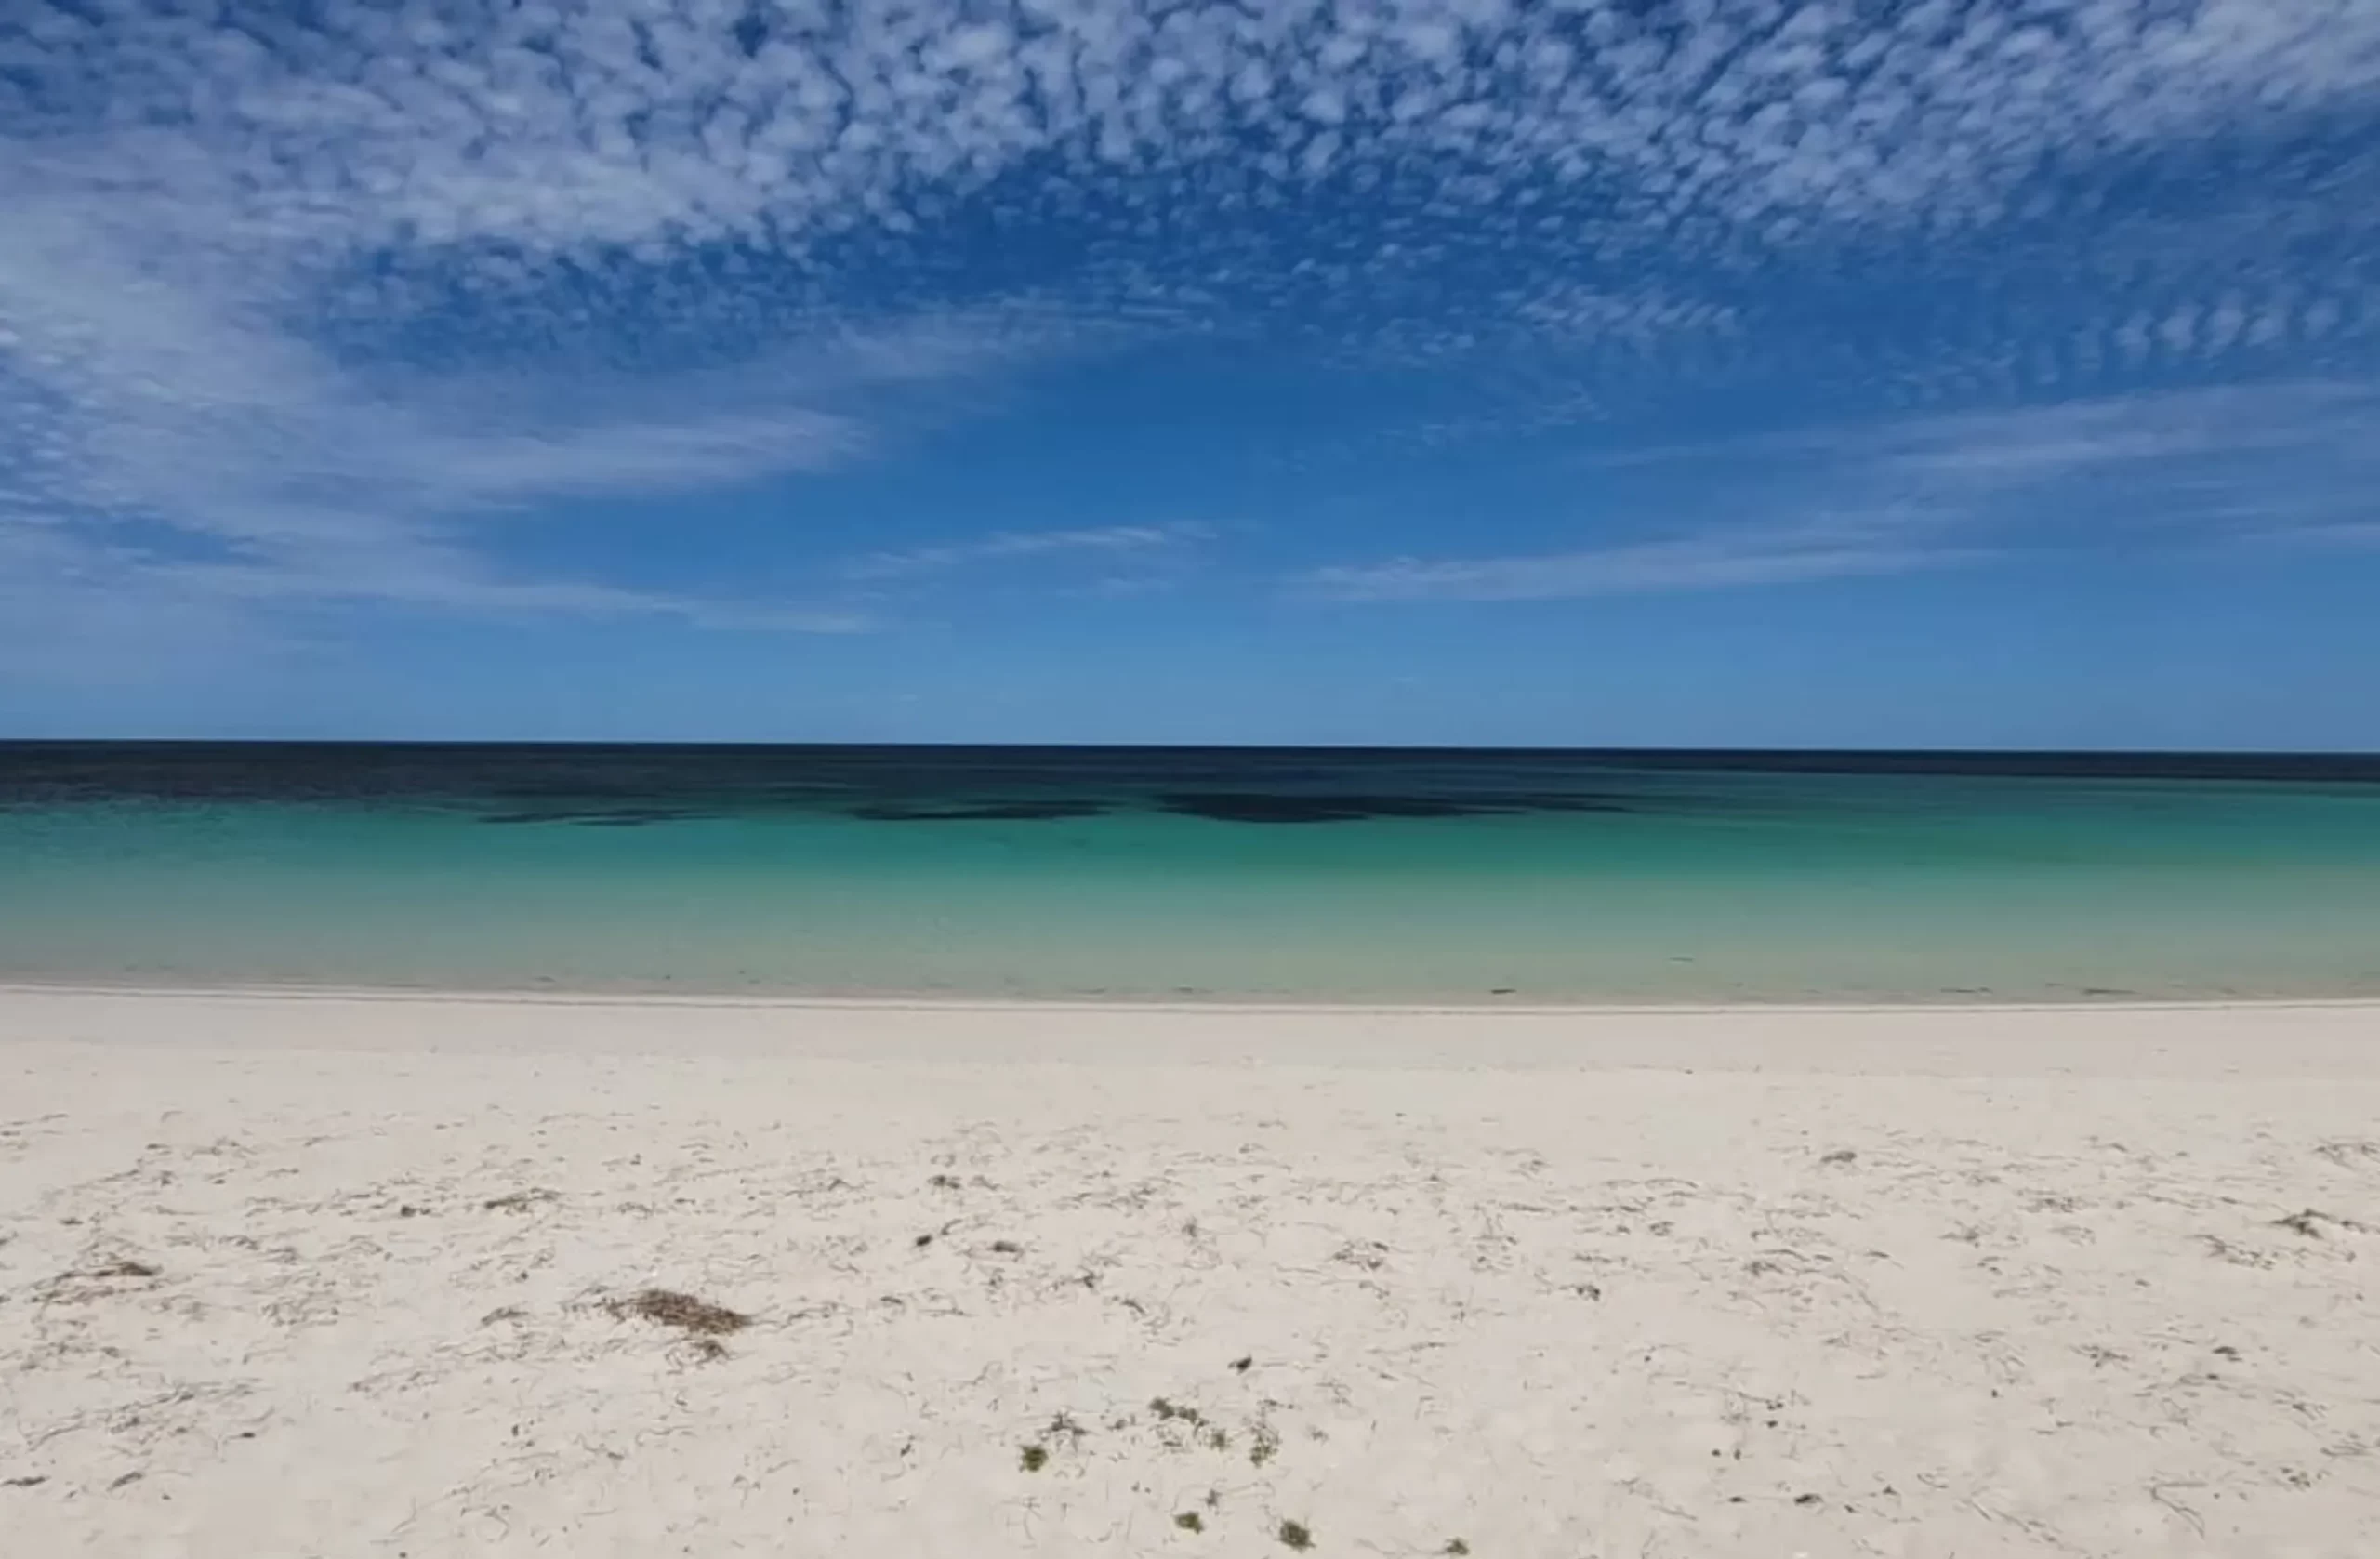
1185,875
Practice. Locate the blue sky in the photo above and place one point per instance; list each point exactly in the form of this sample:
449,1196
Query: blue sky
1735,371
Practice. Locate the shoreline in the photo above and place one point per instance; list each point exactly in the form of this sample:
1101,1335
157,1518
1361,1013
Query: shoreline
2340,1039
1218,1005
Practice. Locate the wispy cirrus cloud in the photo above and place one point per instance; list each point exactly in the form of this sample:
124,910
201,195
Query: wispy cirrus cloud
2287,462
1102,542
2267,438
136,406
298,304
1713,561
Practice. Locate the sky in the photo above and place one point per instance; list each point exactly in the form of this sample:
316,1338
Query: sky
1901,373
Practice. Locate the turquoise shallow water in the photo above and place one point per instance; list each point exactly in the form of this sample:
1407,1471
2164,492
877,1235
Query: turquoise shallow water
1387,877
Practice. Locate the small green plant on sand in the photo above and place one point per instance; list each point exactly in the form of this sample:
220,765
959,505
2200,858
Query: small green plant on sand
1034,1457
1191,1521
1294,1534
1456,1548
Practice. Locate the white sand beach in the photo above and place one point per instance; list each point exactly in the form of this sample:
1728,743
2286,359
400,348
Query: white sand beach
327,1276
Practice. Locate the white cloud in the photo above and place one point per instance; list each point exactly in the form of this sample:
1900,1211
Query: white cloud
1718,561
224,229
2292,421
182,404
1102,541
2219,467
2350,532
1637,318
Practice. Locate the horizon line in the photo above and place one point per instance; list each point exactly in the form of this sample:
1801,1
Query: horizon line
1552,750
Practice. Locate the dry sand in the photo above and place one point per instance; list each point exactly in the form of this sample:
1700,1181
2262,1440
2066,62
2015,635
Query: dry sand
329,1276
